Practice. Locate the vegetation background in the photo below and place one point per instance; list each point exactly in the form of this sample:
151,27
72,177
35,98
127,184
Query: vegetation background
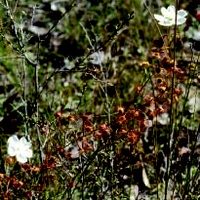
109,100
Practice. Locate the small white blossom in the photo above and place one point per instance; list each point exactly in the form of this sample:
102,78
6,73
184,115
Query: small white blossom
196,35
163,118
169,15
194,104
97,58
20,148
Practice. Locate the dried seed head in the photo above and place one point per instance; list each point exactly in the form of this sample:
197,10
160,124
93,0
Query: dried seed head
162,89
159,80
177,91
122,132
133,136
144,64
150,114
120,110
121,119
138,89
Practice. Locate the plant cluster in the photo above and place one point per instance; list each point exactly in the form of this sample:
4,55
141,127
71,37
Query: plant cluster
94,105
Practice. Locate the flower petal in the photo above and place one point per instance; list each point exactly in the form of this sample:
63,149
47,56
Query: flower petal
163,21
13,140
181,21
164,11
28,153
159,17
166,23
171,9
25,143
169,12
21,158
11,150
12,145
181,13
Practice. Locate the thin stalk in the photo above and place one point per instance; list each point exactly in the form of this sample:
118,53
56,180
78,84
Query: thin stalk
171,129
42,157
25,99
107,102
155,132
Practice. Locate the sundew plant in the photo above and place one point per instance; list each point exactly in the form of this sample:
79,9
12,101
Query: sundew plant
99,100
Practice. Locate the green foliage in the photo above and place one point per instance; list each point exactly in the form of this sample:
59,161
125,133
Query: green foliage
111,105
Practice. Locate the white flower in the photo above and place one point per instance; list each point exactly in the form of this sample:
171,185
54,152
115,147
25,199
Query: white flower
72,151
97,58
196,35
194,104
163,118
19,148
169,15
